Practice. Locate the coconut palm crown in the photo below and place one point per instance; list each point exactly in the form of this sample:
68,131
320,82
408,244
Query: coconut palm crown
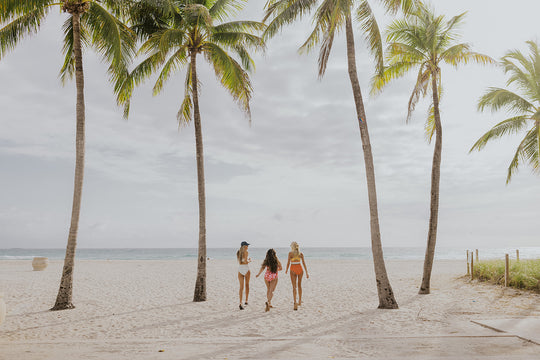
90,23
329,19
101,28
524,73
423,42
174,33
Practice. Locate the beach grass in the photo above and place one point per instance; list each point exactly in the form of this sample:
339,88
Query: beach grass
524,274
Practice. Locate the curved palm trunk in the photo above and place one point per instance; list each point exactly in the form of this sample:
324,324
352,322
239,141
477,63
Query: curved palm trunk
64,297
200,283
384,290
435,180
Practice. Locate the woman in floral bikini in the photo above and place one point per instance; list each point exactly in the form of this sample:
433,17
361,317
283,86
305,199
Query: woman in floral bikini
272,266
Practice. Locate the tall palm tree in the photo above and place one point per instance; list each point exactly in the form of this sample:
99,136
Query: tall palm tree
175,32
330,17
524,72
424,41
89,23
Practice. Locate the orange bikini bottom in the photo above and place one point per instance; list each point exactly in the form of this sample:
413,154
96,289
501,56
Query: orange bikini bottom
297,269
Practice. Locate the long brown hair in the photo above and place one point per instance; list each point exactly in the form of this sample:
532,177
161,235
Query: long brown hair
271,260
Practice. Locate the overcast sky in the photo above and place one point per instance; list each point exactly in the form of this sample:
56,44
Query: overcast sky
296,174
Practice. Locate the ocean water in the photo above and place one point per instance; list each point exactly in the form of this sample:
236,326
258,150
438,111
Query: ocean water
350,253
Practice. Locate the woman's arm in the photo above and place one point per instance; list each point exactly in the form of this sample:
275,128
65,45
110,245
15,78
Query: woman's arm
305,268
260,271
279,267
288,262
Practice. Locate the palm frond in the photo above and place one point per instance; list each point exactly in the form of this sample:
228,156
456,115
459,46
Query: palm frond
527,151
462,54
371,32
285,12
326,48
243,54
68,68
525,76
124,89
198,13
176,61
149,16
120,9
509,126
420,89
231,39
224,9
497,98
232,76
11,9
24,25
113,40
240,26
312,40
184,115
399,52
390,72
429,126
405,6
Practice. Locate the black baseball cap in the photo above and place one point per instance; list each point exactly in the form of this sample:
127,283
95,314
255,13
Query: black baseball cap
244,243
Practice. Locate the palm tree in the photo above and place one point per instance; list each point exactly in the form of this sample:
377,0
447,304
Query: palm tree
90,22
425,41
524,73
330,17
175,32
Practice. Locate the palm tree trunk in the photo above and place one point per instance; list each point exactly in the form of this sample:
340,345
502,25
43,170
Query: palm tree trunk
384,290
435,180
64,297
200,283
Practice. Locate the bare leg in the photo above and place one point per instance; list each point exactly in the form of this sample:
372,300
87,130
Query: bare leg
293,281
248,275
271,288
241,281
300,289
267,295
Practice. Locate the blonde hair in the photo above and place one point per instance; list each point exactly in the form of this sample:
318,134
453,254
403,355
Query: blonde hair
241,254
295,249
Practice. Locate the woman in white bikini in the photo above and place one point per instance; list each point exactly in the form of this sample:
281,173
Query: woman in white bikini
243,271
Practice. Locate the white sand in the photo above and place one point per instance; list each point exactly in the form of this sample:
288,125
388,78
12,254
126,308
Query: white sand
133,309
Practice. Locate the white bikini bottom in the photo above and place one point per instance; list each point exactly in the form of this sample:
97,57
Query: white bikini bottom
243,269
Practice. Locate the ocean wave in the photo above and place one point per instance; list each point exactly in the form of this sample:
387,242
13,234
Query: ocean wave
12,257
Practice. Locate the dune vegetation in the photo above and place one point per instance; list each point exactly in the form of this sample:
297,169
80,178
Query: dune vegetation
524,274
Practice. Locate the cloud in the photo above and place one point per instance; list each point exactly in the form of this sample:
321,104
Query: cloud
296,173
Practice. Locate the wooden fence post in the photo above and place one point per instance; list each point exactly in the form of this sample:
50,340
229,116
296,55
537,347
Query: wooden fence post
506,270
476,255
468,272
472,266
517,255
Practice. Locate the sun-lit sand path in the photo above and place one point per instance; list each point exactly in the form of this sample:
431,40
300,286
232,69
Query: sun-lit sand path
134,309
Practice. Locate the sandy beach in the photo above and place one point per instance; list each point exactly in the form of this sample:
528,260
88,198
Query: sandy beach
134,309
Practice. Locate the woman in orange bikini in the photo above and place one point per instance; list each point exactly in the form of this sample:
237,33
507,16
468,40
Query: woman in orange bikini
296,272
272,266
